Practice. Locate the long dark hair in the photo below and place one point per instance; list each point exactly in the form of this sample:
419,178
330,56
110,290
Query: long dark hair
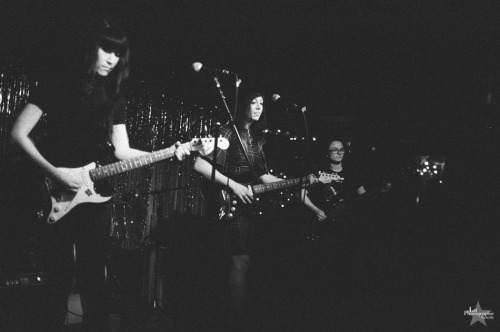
103,93
257,127
110,37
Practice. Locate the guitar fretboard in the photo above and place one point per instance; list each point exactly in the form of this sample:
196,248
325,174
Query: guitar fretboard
262,188
103,172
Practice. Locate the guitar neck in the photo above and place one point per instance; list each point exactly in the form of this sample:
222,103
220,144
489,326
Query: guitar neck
106,171
262,188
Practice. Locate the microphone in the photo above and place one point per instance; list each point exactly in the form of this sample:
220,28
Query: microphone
277,97
198,66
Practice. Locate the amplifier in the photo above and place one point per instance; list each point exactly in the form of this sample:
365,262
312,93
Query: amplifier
23,301
16,280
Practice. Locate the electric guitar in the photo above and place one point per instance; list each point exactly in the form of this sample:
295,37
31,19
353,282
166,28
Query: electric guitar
232,207
313,230
326,178
343,207
63,202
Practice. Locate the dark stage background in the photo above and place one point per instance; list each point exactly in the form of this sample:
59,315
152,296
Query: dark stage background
405,81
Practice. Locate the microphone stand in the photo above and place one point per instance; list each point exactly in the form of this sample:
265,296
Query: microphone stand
303,110
216,135
233,125
238,82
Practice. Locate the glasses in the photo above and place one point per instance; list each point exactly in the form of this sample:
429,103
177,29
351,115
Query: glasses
337,151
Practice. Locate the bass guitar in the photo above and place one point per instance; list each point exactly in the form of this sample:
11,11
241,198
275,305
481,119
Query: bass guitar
313,230
63,202
339,208
343,207
232,207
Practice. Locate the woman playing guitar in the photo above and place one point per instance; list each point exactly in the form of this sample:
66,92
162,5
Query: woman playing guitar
85,111
234,171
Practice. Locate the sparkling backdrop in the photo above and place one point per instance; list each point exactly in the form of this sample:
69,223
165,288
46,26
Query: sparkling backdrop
155,121
148,196
14,89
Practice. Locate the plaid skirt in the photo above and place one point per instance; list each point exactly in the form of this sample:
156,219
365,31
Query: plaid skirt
239,234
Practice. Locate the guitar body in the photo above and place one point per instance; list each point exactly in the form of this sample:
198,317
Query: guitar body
63,202
338,212
339,209
231,207
312,230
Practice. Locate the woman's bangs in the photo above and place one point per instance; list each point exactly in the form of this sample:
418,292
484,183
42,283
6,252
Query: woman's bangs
255,95
113,45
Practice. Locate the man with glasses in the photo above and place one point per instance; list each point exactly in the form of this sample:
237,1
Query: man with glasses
340,184
332,230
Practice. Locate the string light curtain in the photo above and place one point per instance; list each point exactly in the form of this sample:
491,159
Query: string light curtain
155,121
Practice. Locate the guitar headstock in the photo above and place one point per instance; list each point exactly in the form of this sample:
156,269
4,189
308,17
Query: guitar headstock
329,178
206,145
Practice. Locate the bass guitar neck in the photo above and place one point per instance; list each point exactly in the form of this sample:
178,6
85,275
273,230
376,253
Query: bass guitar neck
232,207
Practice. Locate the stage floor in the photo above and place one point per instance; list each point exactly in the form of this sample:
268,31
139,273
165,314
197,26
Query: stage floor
403,268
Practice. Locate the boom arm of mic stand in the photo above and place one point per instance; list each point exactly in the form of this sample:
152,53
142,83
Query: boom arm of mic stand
214,159
303,110
238,82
